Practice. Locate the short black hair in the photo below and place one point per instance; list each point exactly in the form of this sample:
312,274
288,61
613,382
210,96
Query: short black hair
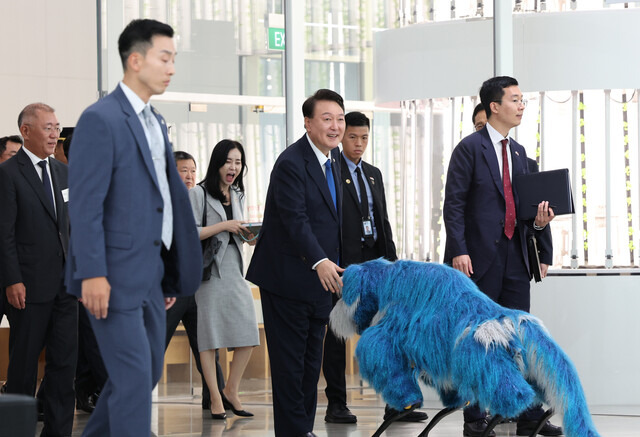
479,107
309,105
218,159
13,139
356,118
492,90
137,36
179,155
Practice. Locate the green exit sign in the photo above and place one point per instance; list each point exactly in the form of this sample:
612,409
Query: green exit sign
276,38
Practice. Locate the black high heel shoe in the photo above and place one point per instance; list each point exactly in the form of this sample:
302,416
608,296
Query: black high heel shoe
219,416
229,406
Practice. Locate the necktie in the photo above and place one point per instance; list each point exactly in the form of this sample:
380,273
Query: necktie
156,145
364,206
331,183
510,213
46,184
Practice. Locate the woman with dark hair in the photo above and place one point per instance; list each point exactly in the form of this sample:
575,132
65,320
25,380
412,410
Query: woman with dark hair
226,314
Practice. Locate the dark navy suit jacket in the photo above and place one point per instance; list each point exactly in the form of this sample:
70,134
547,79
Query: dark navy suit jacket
300,226
115,208
474,205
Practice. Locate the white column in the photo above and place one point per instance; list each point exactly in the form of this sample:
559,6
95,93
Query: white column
502,38
112,66
294,38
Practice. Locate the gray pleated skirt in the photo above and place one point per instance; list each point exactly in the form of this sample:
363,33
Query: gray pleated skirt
226,313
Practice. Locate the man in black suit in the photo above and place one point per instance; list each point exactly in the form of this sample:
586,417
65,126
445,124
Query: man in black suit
296,261
34,235
366,235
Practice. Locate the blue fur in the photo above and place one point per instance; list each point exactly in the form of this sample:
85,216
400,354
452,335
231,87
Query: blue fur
429,321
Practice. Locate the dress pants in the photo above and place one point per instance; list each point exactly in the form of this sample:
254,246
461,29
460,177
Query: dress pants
131,342
91,374
507,283
186,310
294,331
51,325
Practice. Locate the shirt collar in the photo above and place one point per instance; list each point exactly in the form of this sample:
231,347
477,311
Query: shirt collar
495,136
351,165
135,100
33,157
322,159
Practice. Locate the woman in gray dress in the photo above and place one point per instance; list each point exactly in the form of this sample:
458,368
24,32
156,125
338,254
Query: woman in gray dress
226,313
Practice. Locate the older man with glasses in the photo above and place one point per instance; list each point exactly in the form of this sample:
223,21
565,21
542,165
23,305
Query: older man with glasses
34,235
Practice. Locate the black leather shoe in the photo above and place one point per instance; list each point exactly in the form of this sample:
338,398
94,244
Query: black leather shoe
337,413
84,403
229,406
414,416
475,429
308,434
526,428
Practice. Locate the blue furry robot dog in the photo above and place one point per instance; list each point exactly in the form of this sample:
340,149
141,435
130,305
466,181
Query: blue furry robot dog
429,321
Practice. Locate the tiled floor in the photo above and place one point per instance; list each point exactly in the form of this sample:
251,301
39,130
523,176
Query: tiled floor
177,414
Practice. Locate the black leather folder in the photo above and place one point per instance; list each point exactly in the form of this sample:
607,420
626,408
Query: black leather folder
553,186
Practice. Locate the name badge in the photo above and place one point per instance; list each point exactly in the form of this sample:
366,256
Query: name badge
367,228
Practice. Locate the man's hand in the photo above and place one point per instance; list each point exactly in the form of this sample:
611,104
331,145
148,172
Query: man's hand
463,263
95,296
544,215
168,302
543,270
16,295
329,274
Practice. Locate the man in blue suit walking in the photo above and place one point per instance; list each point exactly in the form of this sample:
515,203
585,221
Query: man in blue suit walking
134,245
485,241
296,260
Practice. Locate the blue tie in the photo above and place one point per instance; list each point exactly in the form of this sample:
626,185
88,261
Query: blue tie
331,183
46,184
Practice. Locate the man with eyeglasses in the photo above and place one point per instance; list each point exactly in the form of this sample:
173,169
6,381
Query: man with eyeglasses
485,241
34,235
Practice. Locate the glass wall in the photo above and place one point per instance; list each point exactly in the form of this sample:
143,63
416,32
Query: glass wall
224,59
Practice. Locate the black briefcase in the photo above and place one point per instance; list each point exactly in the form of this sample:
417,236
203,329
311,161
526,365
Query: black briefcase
18,415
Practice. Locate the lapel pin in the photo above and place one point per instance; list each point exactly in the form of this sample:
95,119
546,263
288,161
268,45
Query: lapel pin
348,181
517,153
373,182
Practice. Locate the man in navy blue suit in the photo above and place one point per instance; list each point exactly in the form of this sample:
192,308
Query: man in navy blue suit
545,242
485,240
134,244
296,261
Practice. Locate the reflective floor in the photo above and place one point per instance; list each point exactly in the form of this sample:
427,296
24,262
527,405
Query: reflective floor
175,413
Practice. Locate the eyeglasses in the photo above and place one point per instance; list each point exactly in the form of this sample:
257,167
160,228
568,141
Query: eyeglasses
49,129
516,102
